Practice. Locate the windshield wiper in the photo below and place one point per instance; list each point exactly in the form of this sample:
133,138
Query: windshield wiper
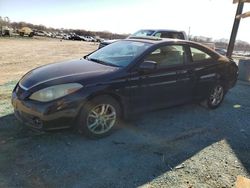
102,62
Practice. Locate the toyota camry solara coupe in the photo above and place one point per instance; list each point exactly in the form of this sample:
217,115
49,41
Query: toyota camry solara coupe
122,79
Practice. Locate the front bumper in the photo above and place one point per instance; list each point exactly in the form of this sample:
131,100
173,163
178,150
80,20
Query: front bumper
58,114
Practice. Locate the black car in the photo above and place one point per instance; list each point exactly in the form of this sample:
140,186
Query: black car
123,79
76,37
161,33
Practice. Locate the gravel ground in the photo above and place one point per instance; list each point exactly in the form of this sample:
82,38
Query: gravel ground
186,146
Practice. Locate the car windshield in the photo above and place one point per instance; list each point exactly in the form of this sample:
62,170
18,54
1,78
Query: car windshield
143,33
119,54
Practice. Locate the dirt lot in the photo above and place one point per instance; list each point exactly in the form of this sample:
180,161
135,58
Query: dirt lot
17,56
187,146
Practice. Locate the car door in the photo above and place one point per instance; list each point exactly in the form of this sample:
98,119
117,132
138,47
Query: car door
205,70
164,86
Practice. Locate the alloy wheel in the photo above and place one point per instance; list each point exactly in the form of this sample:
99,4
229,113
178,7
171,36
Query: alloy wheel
101,118
217,95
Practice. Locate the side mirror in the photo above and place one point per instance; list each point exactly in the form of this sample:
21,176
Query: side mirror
147,66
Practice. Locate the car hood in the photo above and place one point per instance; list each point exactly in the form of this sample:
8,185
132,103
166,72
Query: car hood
68,71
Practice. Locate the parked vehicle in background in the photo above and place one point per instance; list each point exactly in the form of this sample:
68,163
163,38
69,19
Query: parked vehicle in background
247,54
210,45
106,42
81,38
76,37
161,33
39,33
48,34
26,31
66,37
84,38
6,31
123,79
221,51
241,53
59,36
90,39
98,39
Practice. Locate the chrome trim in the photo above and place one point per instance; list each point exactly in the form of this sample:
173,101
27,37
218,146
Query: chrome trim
166,74
21,86
163,83
197,69
135,78
208,76
132,87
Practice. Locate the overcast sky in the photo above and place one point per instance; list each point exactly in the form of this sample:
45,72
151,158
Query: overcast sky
211,18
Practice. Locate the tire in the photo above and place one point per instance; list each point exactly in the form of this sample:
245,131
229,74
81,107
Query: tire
215,97
99,117
31,34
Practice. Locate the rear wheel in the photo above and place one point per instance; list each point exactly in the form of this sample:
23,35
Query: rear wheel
215,96
99,117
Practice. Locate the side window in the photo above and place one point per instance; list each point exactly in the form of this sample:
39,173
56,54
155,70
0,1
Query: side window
167,56
158,35
198,55
173,35
164,35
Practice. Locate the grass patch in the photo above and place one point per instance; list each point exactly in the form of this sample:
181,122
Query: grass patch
5,98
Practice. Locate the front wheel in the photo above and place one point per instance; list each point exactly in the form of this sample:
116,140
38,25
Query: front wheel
99,117
31,34
215,97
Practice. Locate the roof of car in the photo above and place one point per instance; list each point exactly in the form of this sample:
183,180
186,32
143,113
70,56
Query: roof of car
157,40
154,40
157,30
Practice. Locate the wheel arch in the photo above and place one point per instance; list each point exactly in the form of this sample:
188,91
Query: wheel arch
114,96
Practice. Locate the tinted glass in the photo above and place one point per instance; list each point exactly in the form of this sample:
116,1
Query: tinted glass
143,33
199,55
167,56
120,53
174,35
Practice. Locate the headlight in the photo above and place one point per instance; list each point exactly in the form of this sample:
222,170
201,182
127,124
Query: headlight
55,92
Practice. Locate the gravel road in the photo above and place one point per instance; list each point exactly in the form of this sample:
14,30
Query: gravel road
186,146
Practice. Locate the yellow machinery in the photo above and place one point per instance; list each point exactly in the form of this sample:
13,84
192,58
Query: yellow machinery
26,31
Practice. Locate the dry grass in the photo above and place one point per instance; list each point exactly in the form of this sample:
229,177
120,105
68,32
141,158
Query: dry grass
18,56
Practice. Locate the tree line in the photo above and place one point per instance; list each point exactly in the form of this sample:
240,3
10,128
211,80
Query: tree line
221,43
5,21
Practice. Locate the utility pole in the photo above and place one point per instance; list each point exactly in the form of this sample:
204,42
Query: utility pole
230,47
236,24
189,34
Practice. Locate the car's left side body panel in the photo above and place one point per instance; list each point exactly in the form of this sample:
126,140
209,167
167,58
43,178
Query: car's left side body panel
135,91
